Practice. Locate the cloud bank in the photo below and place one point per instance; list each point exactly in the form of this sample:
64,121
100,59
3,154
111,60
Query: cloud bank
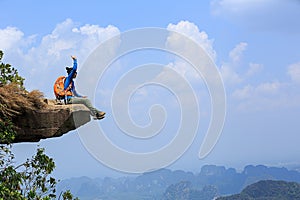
43,60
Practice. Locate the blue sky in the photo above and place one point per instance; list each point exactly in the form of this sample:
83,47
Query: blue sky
255,45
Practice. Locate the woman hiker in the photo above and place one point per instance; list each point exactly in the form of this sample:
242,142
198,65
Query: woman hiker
70,94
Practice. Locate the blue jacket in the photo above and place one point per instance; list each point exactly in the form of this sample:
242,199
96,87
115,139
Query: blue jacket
69,80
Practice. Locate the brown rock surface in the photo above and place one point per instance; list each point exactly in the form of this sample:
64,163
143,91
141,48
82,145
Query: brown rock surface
53,121
35,118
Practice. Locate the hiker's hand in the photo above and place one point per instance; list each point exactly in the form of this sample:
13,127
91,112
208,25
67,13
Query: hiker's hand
84,96
73,57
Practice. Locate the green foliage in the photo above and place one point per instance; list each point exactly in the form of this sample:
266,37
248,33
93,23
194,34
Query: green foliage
68,196
35,172
9,74
30,180
7,132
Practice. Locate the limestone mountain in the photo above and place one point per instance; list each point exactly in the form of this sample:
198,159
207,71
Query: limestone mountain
268,190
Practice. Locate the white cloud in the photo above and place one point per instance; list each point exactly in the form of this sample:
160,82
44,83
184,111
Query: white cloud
229,69
236,54
267,95
9,37
96,31
229,75
186,74
254,68
48,57
191,31
185,84
235,71
262,95
82,40
294,72
185,47
269,88
243,93
185,69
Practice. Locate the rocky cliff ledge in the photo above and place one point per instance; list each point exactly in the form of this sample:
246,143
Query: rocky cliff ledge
35,118
52,121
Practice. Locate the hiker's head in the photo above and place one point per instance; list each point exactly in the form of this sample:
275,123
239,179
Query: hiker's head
69,69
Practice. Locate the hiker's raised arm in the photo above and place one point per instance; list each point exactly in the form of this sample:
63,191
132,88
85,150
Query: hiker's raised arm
74,64
71,74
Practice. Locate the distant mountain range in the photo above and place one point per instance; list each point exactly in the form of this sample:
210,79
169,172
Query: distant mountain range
211,182
268,190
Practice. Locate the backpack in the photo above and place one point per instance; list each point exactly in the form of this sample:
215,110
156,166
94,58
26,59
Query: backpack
58,88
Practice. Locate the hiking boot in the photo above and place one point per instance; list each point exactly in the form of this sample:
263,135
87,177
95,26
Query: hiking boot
99,115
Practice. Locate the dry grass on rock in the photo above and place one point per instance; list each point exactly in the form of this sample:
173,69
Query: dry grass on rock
15,101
